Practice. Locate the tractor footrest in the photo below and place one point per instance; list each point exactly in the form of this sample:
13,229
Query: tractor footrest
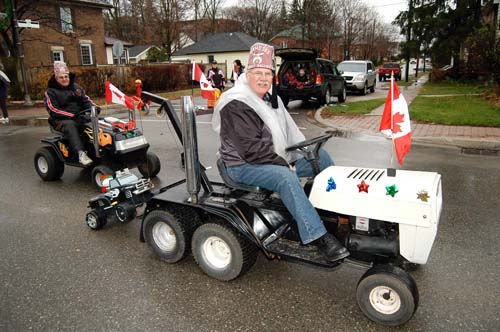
288,249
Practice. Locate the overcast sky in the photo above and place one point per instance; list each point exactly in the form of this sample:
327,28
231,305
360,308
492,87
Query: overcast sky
388,9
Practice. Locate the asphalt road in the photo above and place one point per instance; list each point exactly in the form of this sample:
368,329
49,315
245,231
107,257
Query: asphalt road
58,275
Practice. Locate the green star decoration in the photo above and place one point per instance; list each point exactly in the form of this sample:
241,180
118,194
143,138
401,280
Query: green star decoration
423,195
391,190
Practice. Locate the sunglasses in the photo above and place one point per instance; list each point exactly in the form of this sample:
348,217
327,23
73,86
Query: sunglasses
63,77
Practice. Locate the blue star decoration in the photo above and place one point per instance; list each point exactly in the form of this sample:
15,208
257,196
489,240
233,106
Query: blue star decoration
391,190
331,185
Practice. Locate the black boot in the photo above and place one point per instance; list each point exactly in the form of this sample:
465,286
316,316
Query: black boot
331,247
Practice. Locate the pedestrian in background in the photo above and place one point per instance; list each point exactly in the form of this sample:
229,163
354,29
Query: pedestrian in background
4,86
238,69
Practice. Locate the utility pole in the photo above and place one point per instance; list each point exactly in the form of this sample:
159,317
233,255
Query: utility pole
408,38
20,53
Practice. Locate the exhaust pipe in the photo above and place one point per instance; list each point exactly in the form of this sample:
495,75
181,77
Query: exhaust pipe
94,120
190,143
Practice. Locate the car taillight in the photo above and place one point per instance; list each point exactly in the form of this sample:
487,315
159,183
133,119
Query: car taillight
276,80
319,80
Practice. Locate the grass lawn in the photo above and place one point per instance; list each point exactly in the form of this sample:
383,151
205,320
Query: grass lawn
457,110
354,108
452,87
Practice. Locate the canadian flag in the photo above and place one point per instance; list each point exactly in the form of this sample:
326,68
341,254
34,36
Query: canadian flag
207,91
113,95
395,121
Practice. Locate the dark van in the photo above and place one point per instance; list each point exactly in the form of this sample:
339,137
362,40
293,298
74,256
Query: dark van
304,76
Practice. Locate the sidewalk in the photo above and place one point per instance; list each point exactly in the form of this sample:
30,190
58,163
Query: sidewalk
481,138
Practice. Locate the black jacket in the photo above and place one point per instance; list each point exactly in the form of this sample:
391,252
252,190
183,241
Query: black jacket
245,138
65,102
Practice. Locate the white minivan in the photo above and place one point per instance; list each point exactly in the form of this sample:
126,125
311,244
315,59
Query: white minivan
359,75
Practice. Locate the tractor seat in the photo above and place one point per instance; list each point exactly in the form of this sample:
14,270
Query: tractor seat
235,185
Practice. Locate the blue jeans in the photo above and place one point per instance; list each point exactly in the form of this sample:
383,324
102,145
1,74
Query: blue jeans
286,182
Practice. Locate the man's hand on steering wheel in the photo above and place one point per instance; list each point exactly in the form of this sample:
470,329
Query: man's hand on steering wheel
302,147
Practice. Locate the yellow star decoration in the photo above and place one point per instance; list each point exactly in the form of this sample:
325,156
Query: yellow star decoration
423,195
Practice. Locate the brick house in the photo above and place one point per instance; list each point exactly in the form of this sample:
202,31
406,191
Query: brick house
70,31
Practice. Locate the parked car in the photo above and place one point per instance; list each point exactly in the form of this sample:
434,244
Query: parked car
304,76
360,75
388,69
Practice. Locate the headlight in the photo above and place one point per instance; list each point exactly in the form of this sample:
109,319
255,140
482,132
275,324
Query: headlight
360,77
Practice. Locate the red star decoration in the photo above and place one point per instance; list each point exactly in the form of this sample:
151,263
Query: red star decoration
397,118
363,186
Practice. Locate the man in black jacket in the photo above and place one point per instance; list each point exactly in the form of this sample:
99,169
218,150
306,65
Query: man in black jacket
216,76
65,101
254,136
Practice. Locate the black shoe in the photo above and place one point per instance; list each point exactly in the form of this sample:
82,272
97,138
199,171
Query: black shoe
331,247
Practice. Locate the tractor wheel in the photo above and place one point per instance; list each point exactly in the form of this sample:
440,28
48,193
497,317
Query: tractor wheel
166,236
95,221
101,174
221,252
387,295
47,164
151,167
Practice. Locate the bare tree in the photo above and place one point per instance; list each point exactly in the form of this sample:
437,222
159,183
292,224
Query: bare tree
349,10
211,10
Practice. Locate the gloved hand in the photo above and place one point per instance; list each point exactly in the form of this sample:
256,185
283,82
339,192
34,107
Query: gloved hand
98,110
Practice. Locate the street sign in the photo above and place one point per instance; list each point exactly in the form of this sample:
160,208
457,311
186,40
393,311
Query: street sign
117,49
28,24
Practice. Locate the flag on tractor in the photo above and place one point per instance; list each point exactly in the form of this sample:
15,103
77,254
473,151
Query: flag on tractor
207,91
395,121
113,95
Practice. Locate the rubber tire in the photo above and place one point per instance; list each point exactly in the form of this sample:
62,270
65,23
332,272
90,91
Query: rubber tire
151,167
180,232
95,221
285,100
243,252
99,171
364,92
397,280
325,99
341,98
55,167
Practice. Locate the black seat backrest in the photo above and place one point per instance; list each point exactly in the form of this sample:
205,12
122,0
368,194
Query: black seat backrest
235,185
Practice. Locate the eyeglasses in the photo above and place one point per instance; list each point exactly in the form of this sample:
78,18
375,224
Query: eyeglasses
260,74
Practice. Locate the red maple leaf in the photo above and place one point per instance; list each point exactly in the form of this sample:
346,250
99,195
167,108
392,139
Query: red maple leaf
396,119
205,85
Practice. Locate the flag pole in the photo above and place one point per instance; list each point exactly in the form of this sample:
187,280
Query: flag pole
391,171
192,79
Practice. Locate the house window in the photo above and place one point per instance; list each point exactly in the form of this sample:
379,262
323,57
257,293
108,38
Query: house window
210,58
284,44
86,53
57,56
66,20
123,58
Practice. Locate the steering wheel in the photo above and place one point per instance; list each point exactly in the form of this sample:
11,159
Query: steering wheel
311,155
